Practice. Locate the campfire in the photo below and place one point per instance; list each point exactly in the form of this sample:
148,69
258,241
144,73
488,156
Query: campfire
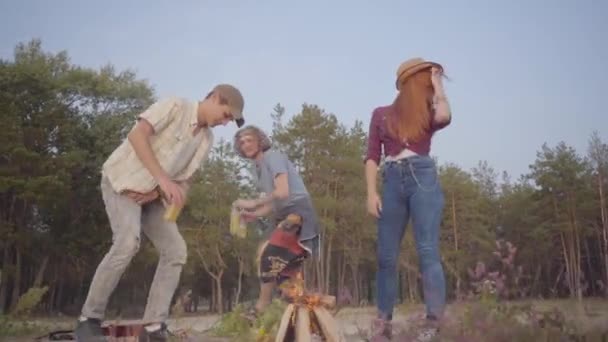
307,317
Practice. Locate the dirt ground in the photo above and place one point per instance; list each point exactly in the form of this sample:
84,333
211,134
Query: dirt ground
353,322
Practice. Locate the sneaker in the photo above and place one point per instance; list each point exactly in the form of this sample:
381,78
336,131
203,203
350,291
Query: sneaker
382,330
161,334
89,329
428,331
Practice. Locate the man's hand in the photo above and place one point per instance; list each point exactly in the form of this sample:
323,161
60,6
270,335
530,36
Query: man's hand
248,216
245,204
142,198
139,139
173,191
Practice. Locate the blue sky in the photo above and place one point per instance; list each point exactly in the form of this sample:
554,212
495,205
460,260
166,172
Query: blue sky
522,72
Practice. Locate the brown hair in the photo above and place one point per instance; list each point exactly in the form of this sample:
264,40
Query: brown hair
410,118
263,140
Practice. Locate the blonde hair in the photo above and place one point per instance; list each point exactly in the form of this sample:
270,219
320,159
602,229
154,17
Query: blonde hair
262,138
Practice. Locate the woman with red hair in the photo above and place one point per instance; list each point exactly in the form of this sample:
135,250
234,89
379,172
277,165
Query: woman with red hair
410,188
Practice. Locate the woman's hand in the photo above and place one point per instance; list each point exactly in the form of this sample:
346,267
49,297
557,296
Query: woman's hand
374,205
437,79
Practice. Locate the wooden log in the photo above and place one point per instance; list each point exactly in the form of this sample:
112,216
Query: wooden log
285,323
303,333
328,301
328,324
122,331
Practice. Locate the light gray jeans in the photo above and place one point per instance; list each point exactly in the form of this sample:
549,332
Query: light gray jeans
127,220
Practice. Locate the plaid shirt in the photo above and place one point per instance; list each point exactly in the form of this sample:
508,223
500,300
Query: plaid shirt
179,153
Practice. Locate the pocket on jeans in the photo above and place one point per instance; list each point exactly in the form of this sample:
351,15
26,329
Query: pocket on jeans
426,178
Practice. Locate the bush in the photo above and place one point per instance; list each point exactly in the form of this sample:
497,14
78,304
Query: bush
16,323
264,329
29,301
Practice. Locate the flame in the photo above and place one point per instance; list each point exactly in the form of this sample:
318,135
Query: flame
293,289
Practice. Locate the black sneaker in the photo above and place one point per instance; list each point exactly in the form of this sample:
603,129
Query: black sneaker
89,330
159,335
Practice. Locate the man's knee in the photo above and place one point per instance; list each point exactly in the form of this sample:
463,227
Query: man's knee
179,252
123,250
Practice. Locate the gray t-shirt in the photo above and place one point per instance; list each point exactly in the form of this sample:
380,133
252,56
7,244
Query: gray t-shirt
273,164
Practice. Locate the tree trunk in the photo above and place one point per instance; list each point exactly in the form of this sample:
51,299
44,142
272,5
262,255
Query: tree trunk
16,279
6,261
319,272
220,297
240,281
51,298
576,245
600,181
228,301
568,265
455,230
590,278
41,271
212,305
557,279
341,272
59,296
536,279
570,247
328,265
354,270
195,299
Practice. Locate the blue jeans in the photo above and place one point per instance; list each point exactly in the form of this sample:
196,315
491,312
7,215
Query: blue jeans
411,188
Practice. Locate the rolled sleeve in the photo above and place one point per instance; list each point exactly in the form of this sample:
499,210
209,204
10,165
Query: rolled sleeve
159,114
374,146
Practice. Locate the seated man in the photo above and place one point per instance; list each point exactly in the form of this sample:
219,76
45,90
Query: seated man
287,201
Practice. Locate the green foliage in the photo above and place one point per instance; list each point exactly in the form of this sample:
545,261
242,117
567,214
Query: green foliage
60,121
235,326
11,327
28,301
17,322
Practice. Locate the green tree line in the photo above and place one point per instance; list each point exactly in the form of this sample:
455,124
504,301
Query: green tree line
59,121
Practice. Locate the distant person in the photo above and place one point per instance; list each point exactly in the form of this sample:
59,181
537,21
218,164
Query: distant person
410,188
286,200
169,142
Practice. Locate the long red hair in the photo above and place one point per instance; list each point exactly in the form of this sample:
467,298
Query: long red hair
410,118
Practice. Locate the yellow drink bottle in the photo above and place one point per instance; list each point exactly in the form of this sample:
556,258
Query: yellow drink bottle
172,212
237,226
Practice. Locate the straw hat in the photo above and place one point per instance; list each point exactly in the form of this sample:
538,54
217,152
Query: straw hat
412,66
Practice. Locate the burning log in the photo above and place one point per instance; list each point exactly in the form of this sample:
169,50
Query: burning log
307,317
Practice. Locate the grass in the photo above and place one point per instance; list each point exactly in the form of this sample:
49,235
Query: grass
524,320
503,321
